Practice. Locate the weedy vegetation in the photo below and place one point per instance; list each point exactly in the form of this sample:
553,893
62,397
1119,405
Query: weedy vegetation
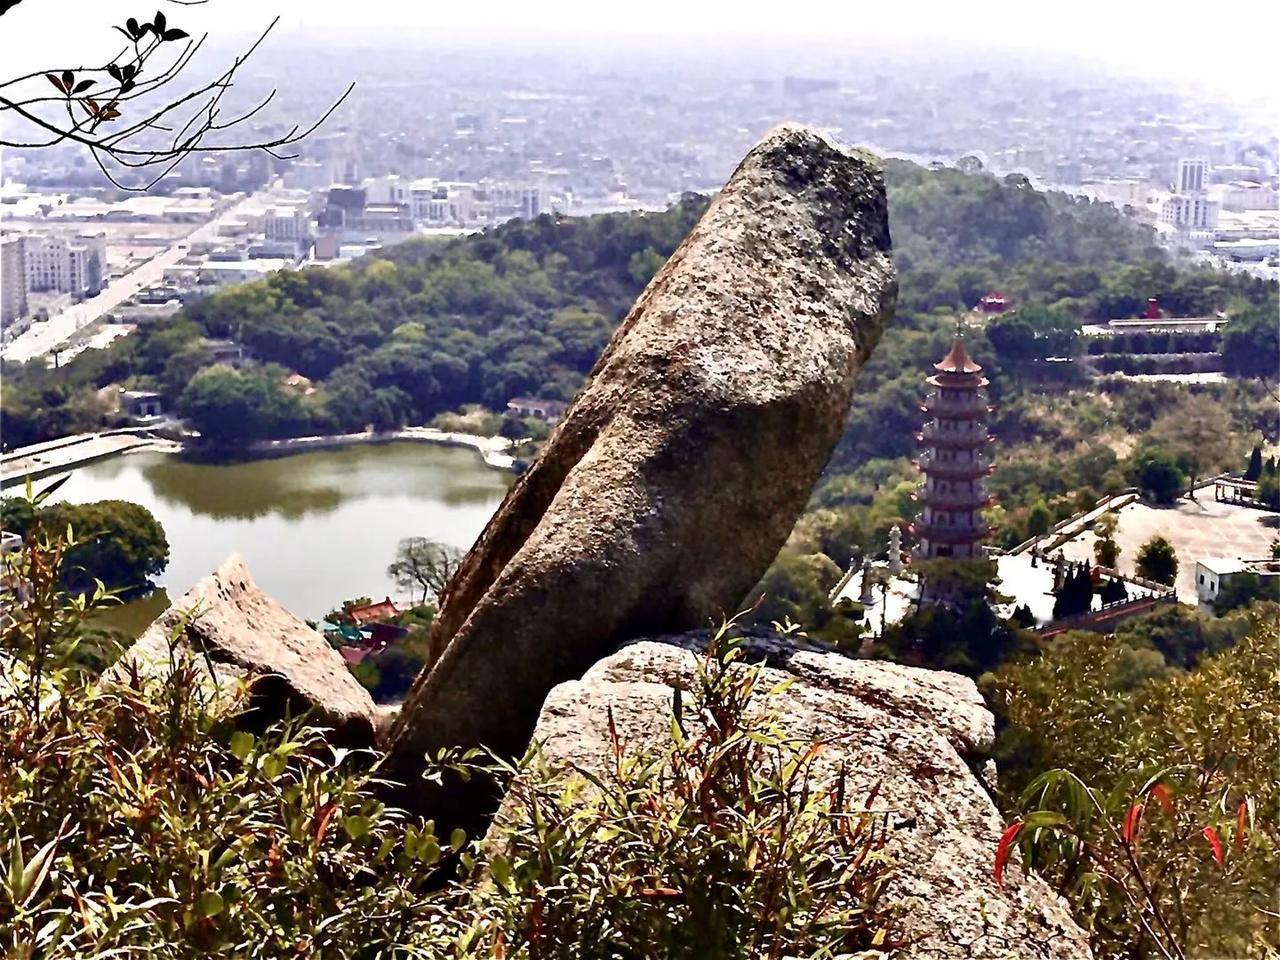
139,818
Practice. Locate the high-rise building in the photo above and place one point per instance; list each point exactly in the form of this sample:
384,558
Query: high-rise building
956,460
1192,176
13,279
1189,207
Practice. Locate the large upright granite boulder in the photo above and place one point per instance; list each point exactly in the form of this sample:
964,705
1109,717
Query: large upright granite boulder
669,486
243,642
919,734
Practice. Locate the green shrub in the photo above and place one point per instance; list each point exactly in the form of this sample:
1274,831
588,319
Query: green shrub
725,842
1156,814
117,542
139,818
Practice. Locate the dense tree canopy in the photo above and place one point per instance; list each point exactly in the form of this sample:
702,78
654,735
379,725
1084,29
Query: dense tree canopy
1176,698
525,308
116,542
1251,344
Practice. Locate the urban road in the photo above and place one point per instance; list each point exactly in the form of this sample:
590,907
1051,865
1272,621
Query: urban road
42,338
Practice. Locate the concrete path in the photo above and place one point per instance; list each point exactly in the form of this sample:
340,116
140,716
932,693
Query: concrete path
491,449
68,453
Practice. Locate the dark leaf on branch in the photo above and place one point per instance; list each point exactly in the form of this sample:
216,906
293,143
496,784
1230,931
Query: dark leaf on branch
158,24
126,86
56,81
114,70
83,85
175,34
135,31
68,80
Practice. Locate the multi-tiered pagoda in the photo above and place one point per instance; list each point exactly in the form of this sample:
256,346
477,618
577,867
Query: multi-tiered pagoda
956,460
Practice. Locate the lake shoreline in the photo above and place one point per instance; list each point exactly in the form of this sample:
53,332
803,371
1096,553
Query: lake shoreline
68,454
316,528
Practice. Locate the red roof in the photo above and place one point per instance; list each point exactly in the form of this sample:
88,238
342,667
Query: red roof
372,612
957,361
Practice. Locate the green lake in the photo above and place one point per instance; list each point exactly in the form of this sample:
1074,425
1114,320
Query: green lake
316,528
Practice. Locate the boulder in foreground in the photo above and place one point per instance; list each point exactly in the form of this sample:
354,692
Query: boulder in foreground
915,733
237,634
674,478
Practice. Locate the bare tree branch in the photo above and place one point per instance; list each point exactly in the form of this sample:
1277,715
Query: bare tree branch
94,98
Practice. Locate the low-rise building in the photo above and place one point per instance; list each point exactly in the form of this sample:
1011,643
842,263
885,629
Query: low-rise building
549,410
142,407
1214,574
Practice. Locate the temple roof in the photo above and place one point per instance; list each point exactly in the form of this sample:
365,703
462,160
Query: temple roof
958,360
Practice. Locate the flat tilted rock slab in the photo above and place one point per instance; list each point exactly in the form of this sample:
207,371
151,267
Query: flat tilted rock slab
676,475
240,636
915,732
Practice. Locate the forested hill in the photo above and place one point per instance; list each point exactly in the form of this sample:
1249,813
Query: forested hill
525,308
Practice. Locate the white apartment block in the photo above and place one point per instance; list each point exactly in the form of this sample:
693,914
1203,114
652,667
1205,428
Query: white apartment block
391,189
286,222
13,280
1189,207
1190,212
1247,195
74,265
444,202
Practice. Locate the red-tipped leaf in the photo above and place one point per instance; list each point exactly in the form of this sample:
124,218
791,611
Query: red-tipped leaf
1132,824
1163,796
1242,823
1215,844
1004,848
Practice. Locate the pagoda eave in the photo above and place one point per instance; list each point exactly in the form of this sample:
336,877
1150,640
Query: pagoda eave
953,473
948,410
952,441
958,381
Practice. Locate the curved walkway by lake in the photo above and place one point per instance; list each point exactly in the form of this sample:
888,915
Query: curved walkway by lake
491,449
69,453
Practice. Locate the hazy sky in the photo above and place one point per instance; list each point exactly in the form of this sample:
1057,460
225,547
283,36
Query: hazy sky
1228,49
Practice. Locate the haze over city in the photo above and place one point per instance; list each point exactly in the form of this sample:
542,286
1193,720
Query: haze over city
826,456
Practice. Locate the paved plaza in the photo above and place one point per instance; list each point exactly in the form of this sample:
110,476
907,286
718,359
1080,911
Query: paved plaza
1203,528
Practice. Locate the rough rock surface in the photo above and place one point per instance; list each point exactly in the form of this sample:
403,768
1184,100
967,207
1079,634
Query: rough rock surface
678,472
239,634
915,732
